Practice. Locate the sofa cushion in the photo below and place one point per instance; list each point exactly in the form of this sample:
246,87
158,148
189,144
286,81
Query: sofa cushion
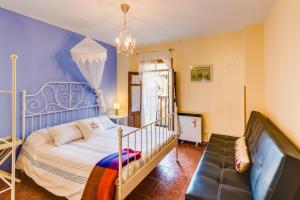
202,188
228,162
222,140
235,180
212,181
210,171
219,150
231,193
224,137
215,176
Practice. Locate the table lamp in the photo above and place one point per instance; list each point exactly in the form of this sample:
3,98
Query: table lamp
116,107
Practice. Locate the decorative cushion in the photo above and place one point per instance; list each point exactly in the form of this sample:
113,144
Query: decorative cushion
64,133
90,127
242,160
106,123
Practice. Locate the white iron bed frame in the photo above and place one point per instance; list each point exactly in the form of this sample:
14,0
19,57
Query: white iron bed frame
58,102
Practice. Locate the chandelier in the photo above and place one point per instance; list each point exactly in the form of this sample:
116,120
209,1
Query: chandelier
125,41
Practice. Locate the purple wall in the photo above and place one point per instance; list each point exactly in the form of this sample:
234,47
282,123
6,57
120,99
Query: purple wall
44,55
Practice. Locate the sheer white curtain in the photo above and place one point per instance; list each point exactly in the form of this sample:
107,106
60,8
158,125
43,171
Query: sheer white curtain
150,97
90,58
150,77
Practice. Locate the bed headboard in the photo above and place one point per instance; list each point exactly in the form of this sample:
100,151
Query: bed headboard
57,103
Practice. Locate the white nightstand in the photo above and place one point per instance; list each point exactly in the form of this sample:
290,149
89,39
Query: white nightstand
119,118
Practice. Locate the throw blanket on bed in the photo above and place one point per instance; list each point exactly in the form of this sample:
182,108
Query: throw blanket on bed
101,182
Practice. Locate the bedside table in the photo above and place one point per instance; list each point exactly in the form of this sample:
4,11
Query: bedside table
118,118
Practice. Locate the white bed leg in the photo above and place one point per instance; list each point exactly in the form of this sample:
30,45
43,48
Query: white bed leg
120,136
177,152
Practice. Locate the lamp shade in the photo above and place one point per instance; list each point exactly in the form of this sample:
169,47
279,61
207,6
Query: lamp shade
116,106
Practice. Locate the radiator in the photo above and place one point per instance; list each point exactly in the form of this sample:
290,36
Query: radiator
190,127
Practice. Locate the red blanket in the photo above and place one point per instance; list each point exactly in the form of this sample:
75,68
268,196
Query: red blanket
101,182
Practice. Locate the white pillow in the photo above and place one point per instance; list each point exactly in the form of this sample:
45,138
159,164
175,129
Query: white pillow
38,138
90,127
105,122
64,133
241,143
242,159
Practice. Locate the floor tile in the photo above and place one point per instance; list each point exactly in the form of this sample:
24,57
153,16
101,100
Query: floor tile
159,172
147,186
136,196
166,192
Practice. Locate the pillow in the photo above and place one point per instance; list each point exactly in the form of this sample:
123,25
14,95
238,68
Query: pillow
105,122
65,133
241,142
242,160
38,138
90,127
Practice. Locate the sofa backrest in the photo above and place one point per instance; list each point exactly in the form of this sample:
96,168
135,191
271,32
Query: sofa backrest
275,161
267,160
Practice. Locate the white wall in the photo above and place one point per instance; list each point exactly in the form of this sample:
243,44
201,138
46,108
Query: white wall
122,82
282,67
254,68
221,101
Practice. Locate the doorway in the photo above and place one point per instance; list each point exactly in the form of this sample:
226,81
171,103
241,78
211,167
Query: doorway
134,99
151,91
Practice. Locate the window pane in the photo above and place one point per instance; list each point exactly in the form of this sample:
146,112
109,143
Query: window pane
135,98
135,79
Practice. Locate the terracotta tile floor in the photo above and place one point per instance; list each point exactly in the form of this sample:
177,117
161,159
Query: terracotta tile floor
167,181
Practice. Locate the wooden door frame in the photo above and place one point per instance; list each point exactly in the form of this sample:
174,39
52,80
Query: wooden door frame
130,74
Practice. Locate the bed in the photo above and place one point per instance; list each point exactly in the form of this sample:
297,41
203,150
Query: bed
64,170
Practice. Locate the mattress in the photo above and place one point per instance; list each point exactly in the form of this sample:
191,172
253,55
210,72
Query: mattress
64,170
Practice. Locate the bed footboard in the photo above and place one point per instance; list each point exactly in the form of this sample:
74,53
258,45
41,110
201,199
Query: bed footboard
155,140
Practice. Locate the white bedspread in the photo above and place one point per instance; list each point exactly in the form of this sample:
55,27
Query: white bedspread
64,170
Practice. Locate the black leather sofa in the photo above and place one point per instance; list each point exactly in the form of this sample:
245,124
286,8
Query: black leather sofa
274,172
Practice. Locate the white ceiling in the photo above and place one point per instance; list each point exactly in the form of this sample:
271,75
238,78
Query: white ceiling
151,21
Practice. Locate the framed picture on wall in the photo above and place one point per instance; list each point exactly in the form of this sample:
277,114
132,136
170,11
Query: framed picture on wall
202,73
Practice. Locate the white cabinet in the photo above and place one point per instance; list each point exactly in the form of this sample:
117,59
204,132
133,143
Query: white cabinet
190,127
